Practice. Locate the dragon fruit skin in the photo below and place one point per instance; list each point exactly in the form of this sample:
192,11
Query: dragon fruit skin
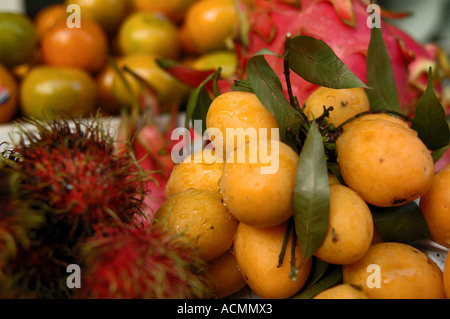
324,20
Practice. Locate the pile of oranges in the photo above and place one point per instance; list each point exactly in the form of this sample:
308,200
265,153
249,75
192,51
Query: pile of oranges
65,60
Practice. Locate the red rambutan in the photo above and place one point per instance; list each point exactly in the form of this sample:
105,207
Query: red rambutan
149,264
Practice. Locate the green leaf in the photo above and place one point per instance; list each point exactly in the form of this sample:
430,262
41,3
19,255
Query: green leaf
318,270
437,154
383,95
267,87
194,99
314,61
201,109
311,199
429,119
331,278
404,223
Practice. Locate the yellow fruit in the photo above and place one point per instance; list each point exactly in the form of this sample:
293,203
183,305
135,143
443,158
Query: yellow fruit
202,217
241,112
257,198
395,271
350,229
149,33
47,92
257,251
384,162
435,206
199,171
342,291
346,103
226,275
211,24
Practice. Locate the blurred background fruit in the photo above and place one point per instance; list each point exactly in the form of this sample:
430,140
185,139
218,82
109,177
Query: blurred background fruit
86,47
18,40
49,91
9,95
47,17
151,33
226,60
211,24
105,95
170,91
175,10
109,14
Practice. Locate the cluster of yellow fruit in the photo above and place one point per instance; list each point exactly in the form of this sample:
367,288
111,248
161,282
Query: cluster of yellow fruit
56,63
238,216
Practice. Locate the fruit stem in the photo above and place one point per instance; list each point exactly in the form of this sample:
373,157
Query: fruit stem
286,70
293,274
283,246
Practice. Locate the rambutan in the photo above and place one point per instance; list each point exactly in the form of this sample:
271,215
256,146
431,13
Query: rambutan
16,226
68,173
148,264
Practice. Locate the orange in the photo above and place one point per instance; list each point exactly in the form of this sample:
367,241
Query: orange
108,13
47,92
211,24
47,17
171,92
18,40
150,33
9,93
85,47
175,10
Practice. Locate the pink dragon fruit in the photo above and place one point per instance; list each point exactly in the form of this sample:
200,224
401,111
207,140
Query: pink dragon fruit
342,24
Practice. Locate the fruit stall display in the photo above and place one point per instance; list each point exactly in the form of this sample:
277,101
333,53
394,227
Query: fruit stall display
94,91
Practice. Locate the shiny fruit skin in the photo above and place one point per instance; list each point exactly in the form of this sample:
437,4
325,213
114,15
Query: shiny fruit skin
47,92
397,271
18,40
346,103
256,198
384,162
257,251
201,215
